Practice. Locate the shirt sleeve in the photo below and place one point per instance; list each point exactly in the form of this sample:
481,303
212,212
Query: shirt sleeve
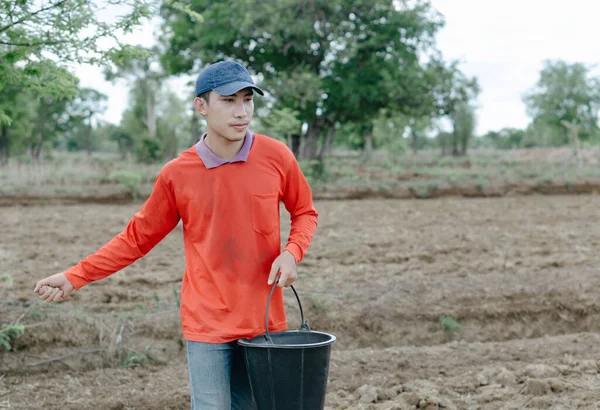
156,218
297,198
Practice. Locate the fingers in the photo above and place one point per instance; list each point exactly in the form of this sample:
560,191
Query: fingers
287,278
58,296
286,268
48,293
54,288
51,294
273,273
39,285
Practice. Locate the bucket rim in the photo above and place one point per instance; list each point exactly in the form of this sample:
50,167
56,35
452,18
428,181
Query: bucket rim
245,342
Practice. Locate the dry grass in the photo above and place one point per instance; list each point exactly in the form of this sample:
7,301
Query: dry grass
66,174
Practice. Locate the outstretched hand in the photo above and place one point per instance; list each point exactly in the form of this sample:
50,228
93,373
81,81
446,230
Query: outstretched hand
55,288
286,265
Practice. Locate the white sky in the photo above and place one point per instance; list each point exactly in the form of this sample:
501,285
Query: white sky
502,43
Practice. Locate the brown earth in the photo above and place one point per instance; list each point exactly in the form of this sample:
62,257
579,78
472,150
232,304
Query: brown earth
518,274
114,194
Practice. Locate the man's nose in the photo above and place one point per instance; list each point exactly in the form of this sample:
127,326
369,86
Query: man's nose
240,110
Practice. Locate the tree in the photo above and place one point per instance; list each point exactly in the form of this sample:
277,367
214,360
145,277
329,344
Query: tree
125,142
50,120
146,75
281,124
330,62
39,39
506,138
463,124
450,94
564,93
20,107
174,124
83,112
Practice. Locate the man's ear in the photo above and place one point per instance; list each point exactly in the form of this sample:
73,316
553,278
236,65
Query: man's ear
200,105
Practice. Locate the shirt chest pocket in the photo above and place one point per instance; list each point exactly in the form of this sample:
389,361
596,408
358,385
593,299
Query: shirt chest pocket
265,212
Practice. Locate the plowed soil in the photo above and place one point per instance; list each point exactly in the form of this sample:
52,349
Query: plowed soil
487,303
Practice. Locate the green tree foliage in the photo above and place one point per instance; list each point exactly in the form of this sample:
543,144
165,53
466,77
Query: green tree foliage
116,133
39,44
506,138
173,123
463,127
563,92
83,112
329,62
281,123
146,76
19,106
39,39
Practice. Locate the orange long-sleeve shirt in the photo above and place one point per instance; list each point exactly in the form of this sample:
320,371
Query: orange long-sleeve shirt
230,216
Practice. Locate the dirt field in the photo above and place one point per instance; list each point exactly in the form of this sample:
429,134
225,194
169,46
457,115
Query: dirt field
488,303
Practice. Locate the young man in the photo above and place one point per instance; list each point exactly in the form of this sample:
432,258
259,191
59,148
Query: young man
226,190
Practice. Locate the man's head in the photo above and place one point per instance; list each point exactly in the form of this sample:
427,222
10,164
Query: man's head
224,95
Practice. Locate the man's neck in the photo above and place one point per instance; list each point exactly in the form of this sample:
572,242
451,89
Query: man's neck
223,148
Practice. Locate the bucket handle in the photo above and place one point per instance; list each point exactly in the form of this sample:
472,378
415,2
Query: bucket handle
304,325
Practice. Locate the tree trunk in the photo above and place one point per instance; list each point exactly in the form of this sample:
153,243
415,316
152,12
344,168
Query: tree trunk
443,143
455,151
464,141
89,139
32,147
35,146
573,133
413,141
295,142
38,148
150,111
4,146
309,145
324,149
368,150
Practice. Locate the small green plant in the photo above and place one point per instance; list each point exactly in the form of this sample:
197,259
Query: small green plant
570,185
10,332
449,324
177,297
314,170
481,184
134,358
6,280
130,180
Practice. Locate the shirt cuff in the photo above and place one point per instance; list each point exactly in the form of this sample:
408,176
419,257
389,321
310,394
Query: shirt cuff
75,276
295,251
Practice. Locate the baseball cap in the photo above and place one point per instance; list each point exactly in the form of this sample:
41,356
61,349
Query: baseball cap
225,78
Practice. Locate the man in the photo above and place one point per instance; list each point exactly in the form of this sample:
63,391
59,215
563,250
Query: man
226,190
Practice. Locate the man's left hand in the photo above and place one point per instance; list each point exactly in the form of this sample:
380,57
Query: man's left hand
286,264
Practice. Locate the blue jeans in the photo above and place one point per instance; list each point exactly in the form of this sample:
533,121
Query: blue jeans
218,377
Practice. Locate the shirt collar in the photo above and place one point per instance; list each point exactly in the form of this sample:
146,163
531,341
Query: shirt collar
212,160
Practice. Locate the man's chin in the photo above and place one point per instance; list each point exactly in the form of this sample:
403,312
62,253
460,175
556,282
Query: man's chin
235,137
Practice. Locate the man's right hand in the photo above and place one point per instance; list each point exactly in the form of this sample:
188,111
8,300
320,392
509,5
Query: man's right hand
55,288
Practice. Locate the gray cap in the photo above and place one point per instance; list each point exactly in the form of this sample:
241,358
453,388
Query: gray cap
225,78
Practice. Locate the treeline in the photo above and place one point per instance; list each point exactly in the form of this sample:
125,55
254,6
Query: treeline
363,74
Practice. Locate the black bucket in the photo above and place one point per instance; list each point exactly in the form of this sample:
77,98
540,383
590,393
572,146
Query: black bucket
288,370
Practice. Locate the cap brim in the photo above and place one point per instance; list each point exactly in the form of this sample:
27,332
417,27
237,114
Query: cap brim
232,88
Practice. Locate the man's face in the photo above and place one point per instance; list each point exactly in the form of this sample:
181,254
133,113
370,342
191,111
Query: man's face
228,116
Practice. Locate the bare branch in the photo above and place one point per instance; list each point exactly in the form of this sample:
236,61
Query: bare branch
60,358
22,19
30,44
